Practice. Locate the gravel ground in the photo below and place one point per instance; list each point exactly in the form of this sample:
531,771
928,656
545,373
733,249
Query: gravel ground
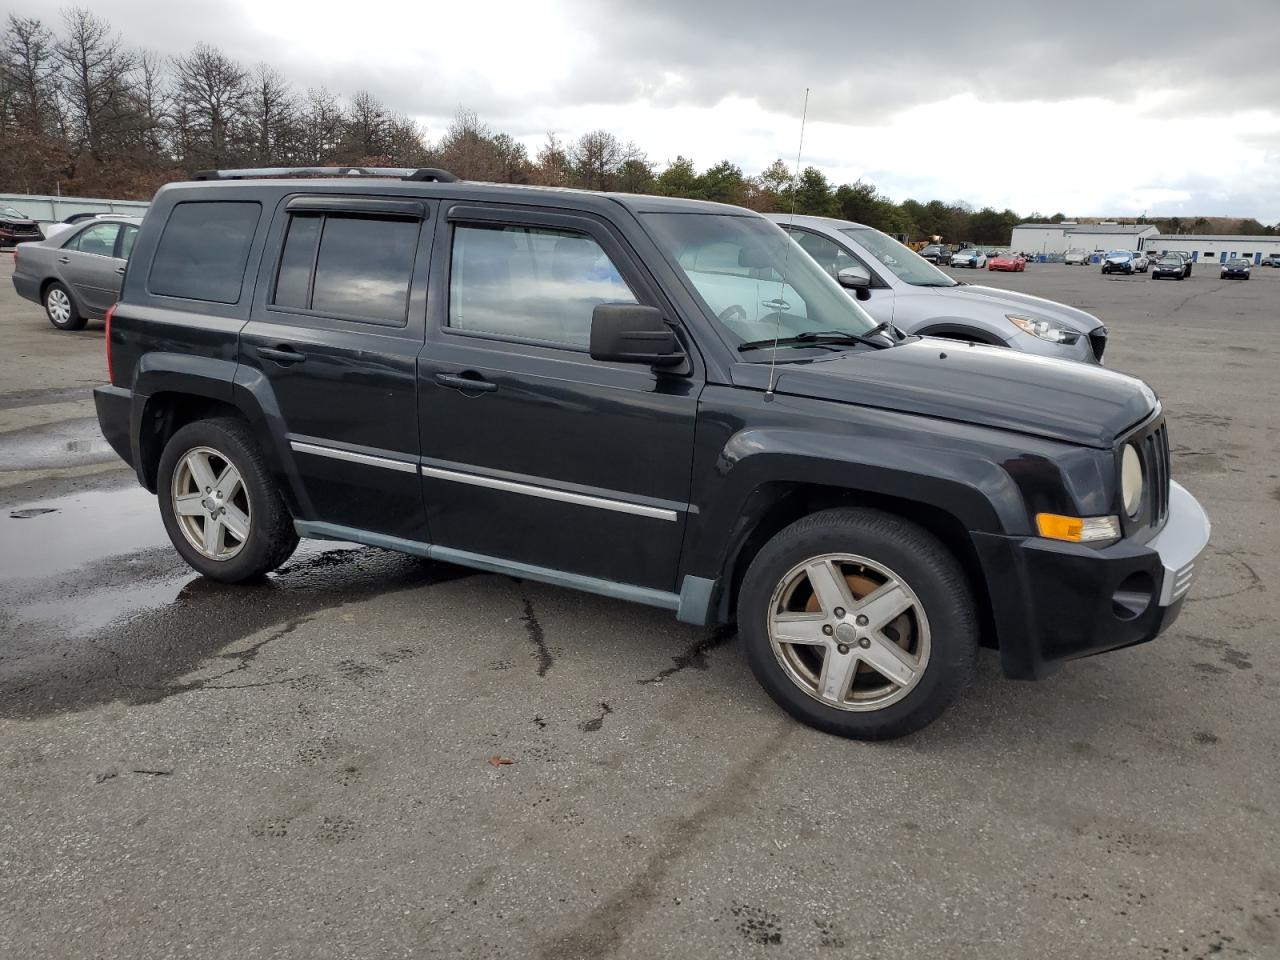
308,767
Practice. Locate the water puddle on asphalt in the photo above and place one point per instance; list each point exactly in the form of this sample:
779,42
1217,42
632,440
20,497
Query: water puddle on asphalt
40,540
67,443
82,562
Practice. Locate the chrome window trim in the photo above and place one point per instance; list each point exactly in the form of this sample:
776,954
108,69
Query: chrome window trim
547,493
369,460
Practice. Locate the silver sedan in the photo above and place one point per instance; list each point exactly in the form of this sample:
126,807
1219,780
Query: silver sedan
76,275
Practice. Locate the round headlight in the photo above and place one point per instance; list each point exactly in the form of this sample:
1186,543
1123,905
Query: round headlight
1131,480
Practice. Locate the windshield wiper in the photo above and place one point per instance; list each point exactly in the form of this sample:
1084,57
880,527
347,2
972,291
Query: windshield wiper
823,337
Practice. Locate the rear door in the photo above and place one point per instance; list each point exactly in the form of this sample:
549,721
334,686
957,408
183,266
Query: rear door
335,331
87,264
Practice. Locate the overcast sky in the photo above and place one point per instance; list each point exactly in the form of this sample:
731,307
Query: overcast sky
1167,108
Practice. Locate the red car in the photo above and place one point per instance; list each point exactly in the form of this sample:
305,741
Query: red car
1007,261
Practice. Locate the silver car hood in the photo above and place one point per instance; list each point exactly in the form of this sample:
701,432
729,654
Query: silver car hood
1023,304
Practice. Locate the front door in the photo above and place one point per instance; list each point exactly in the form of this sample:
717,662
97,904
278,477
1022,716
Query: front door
533,453
332,344
89,265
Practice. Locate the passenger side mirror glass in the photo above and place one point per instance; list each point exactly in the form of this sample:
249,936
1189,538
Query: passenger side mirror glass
632,333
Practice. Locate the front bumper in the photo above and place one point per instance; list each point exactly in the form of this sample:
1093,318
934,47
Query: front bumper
1054,601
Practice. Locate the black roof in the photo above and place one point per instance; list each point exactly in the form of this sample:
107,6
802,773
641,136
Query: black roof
463,190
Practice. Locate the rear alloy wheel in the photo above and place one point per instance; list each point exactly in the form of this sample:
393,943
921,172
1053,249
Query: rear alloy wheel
61,309
220,506
858,623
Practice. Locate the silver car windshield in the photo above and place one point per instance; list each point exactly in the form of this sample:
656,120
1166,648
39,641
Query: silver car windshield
754,279
903,262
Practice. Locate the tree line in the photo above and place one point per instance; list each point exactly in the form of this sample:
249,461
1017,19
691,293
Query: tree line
83,113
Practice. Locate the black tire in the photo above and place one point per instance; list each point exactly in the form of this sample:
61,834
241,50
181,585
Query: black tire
921,562
271,539
74,319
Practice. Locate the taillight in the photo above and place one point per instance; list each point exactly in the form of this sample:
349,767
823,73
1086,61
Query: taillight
110,313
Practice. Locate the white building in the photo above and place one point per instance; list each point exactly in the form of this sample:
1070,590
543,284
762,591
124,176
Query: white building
1060,237
1216,249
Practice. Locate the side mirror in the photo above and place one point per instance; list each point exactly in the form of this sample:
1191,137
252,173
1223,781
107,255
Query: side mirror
631,333
857,279
854,278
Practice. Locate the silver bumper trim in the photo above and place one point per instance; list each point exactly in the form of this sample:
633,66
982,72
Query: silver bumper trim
1180,543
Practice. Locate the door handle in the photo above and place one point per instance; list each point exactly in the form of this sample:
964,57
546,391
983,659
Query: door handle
284,355
120,270
64,259
472,384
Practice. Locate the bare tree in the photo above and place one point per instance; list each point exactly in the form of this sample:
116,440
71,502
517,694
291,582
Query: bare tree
596,158
29,72
365,128
319,127
552,165
153,101
94,69
211,94
271,111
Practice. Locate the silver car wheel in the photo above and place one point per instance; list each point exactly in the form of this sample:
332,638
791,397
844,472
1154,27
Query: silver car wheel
58,304
849,632
211,503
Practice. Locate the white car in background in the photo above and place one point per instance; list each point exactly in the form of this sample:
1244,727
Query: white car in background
1076,257
970,257
1140,262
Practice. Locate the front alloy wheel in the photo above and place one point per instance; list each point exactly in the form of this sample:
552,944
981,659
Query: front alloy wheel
858,622
849,632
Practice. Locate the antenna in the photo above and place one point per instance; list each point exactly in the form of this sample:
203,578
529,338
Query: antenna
786,260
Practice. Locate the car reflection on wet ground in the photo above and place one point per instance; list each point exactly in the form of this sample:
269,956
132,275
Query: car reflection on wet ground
98,606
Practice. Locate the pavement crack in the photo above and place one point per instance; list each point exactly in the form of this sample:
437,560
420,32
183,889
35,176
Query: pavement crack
696,655
537,637
595,723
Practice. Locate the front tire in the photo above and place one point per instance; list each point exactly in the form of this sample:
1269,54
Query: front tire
61,309
858,623
220,507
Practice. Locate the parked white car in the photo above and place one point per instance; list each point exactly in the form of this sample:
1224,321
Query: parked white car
1140,262
971,257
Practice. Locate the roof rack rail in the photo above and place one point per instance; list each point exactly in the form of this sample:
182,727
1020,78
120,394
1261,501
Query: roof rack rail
433,174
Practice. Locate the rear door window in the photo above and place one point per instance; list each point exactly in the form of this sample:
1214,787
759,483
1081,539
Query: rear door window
204,250
348,267
99,239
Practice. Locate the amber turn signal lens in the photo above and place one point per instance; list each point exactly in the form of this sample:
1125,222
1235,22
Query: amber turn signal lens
1077,529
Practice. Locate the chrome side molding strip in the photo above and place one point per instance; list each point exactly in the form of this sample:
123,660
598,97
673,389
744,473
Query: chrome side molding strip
547,493
369,460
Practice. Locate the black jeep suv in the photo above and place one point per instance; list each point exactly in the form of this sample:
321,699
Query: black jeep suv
660,400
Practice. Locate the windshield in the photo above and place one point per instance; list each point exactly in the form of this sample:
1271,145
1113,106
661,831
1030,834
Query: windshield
905,264
10,212
737,264
1120,253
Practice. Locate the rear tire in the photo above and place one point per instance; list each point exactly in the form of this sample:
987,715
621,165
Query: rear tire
219,504
886,626
61,309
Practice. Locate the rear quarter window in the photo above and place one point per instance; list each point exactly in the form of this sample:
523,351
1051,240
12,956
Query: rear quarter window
204,250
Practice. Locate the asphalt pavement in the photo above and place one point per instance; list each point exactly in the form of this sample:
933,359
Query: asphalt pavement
372,756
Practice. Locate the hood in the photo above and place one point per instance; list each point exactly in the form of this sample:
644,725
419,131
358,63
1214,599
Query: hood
17,221
989,386
1023,304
